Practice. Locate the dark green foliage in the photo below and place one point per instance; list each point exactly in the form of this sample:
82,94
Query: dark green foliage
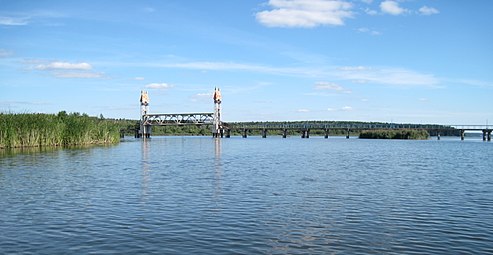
412,134
35,130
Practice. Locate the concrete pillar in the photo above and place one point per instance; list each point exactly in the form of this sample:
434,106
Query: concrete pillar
147,131
347,135
221,132
245,131
489,135
484,135
308,133
264,133
284,133
438,135
326,133
303,134
462,134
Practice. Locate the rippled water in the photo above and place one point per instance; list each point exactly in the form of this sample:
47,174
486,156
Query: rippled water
197,195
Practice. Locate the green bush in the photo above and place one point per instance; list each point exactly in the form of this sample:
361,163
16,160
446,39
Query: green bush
412,134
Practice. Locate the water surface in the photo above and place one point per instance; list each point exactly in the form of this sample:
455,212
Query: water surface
197,195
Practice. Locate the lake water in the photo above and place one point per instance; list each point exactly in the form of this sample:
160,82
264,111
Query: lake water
197,195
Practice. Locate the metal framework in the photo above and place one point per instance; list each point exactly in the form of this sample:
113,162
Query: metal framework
147,120
176,119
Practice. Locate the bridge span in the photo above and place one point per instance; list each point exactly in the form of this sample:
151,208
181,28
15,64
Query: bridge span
220,129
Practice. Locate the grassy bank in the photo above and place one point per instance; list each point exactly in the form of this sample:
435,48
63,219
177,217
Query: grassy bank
411,134
35,130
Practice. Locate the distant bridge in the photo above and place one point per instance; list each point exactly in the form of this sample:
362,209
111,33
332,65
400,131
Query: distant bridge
305,128
224,129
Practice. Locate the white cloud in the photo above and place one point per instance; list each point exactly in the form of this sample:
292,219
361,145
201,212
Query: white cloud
149,9
425,10
303,110
232,66
368,31
13,21
354,68
5,53
371,12
158,86
387,76
331,86
60,69
476,83
202,97
391,7
392,76
347,108
330,109
84,75
305,13
64,66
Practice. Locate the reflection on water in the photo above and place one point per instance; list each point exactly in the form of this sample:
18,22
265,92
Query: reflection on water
217,167
199,195
146,145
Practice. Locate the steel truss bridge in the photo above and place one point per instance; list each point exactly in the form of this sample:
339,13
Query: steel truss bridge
178,119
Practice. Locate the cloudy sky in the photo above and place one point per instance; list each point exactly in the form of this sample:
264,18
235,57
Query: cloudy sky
409,61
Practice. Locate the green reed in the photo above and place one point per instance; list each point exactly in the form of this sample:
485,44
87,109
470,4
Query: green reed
35,130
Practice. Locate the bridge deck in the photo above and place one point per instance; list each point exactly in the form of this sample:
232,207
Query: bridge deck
352,126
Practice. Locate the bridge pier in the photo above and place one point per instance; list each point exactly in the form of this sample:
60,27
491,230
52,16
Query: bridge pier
326,133
347,135
264,133
462,134
284,133
228,133
146,131
244,133
438,135
305,133
487,135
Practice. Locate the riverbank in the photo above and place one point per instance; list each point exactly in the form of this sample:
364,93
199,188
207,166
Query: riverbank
406,134
62,129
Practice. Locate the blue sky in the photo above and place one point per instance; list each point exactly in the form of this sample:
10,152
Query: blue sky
408,61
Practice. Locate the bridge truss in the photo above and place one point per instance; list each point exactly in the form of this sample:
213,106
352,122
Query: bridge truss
148,120
177,119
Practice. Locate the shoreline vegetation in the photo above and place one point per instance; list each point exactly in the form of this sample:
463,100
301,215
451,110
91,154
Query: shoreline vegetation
24,130
403,134
20,130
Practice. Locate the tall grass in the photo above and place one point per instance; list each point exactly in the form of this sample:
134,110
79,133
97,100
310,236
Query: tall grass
35,130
